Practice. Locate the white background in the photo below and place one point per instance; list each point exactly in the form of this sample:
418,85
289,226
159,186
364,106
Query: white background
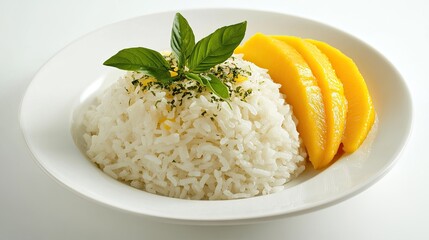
33,206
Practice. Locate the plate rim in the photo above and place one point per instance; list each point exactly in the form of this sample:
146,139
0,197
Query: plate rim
346,195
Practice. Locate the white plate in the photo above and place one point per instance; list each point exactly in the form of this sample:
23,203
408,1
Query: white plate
68,81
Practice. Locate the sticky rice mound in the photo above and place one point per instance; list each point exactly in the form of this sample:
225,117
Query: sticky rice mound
183,141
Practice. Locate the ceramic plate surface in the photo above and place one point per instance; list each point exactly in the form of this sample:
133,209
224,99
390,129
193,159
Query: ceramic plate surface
69,81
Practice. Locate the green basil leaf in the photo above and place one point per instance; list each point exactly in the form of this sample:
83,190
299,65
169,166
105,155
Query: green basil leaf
217,86
143,60
206,80
182,39
195,77
216,47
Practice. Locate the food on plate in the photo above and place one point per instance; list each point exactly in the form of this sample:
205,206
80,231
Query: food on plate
288,68
360,112
348,111
195,123
332,92
201,122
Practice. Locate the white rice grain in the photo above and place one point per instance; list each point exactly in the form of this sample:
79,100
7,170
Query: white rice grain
200,149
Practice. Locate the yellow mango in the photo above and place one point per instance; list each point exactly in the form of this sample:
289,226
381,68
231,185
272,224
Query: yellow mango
165,123
288,68
146,81
332,92
361,113
173,73
240,79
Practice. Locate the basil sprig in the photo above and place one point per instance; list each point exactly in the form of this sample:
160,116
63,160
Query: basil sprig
194,59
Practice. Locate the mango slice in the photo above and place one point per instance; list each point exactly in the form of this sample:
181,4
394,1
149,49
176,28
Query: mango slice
288,68
332,92
361,113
